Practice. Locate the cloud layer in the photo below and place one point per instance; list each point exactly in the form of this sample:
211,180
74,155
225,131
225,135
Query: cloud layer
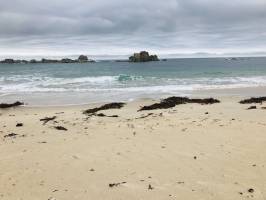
123,26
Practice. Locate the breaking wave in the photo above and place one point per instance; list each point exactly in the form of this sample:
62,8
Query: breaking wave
126,83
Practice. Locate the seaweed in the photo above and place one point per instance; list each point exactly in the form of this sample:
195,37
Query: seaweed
7,105
104,107
173,101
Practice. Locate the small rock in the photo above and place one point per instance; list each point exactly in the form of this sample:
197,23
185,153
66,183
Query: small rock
150,187
10,135
252,107
251,190
19,125
60,128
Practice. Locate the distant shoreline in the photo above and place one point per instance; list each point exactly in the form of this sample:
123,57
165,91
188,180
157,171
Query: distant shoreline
80,59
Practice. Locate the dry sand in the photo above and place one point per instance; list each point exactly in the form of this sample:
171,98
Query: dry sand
179,153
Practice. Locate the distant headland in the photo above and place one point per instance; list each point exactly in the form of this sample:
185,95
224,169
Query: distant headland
80,59
142,56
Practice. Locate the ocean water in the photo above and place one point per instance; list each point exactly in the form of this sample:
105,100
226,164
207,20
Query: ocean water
62,84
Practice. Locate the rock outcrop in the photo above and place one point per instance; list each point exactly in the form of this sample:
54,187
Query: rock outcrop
143,56
81,59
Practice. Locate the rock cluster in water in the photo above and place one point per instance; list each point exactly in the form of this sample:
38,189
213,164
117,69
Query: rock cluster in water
143,56
81,59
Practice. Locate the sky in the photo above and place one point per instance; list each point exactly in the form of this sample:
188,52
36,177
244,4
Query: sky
121,27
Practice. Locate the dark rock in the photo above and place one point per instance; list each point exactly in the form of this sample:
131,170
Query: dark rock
104,107
150,187
47,119
116,184
252,107
23,62
173,101
33,61
8,61
251,190
253,100
10,135
60,128
19,124
113,116
103,115
67,60
83,59
143,56
6,105
49,61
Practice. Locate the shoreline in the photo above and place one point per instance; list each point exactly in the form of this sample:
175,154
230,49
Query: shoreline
217,93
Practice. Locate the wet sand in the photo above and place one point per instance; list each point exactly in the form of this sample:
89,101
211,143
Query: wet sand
190,151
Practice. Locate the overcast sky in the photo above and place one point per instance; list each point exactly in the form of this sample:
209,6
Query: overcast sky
119,27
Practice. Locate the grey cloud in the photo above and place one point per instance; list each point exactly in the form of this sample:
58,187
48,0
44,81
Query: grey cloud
121,26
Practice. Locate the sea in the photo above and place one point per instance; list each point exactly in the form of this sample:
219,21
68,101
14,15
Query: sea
107,81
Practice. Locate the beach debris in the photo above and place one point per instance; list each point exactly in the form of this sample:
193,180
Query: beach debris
60,128
47,119
252,107
10,135
100,115
173,101
6,105
144,116
60,113
253,100
116,184
103,115
150,187
104,107
19,124
251,190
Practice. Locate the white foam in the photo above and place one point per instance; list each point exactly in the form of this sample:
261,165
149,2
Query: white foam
36,83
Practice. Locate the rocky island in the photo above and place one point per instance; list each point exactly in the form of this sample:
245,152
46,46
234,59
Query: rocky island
143,56
81,59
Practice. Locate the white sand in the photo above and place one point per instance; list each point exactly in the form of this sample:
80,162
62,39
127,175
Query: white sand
182,153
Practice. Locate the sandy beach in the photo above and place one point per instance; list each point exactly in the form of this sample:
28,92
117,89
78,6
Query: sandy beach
190,151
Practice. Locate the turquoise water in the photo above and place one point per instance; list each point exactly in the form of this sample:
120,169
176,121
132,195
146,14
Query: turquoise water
54,84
